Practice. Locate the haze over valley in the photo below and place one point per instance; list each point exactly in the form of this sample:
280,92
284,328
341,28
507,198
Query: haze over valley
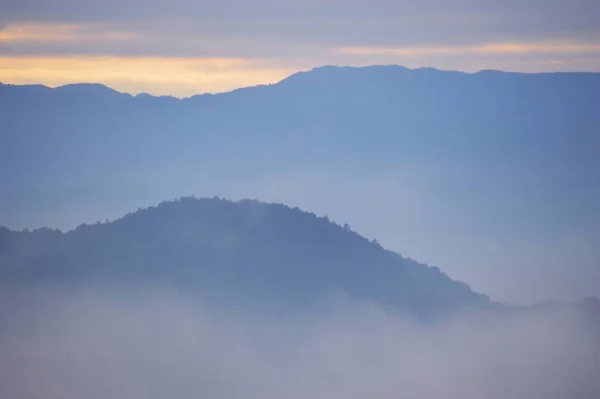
257,199
246,299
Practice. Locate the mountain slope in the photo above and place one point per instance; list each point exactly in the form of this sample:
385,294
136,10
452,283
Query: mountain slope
396,106
490,125
507,163
248,248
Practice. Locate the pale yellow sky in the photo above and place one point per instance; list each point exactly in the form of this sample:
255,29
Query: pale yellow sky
58,54
180,77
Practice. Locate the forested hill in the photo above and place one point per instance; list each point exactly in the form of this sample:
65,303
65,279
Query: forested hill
250,248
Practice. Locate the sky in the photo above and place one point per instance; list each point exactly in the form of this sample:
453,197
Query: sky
186,47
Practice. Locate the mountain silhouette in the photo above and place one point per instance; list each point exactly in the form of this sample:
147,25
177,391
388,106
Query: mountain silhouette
455,159
247,248
491,124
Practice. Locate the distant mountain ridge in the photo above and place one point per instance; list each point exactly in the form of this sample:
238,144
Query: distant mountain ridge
486,123
324,71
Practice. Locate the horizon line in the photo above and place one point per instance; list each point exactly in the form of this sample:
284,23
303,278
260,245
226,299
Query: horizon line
332,66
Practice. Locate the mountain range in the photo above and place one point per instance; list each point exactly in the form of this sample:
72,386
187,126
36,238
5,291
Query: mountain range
507,163
491,121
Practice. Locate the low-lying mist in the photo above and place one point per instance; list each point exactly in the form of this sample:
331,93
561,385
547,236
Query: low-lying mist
155,342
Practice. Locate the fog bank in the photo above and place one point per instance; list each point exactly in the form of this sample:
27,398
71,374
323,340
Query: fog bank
150,342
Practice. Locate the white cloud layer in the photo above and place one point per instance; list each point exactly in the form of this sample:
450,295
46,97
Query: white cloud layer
155,343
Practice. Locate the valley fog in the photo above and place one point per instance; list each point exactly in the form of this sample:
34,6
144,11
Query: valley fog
142,341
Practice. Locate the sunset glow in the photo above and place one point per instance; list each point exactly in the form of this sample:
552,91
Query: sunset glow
180,77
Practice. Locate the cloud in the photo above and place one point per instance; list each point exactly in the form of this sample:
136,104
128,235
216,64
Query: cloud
42,33
146,342
499,48
334,23
184,63
519,35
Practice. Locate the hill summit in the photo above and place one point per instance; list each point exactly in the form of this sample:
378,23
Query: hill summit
249,248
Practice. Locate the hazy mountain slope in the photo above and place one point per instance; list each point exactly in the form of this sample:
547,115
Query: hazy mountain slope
248,248
506,163
491,124
329,113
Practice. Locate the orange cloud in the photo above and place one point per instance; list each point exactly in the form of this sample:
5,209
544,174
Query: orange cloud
149,62
20,33
499,49
160,76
